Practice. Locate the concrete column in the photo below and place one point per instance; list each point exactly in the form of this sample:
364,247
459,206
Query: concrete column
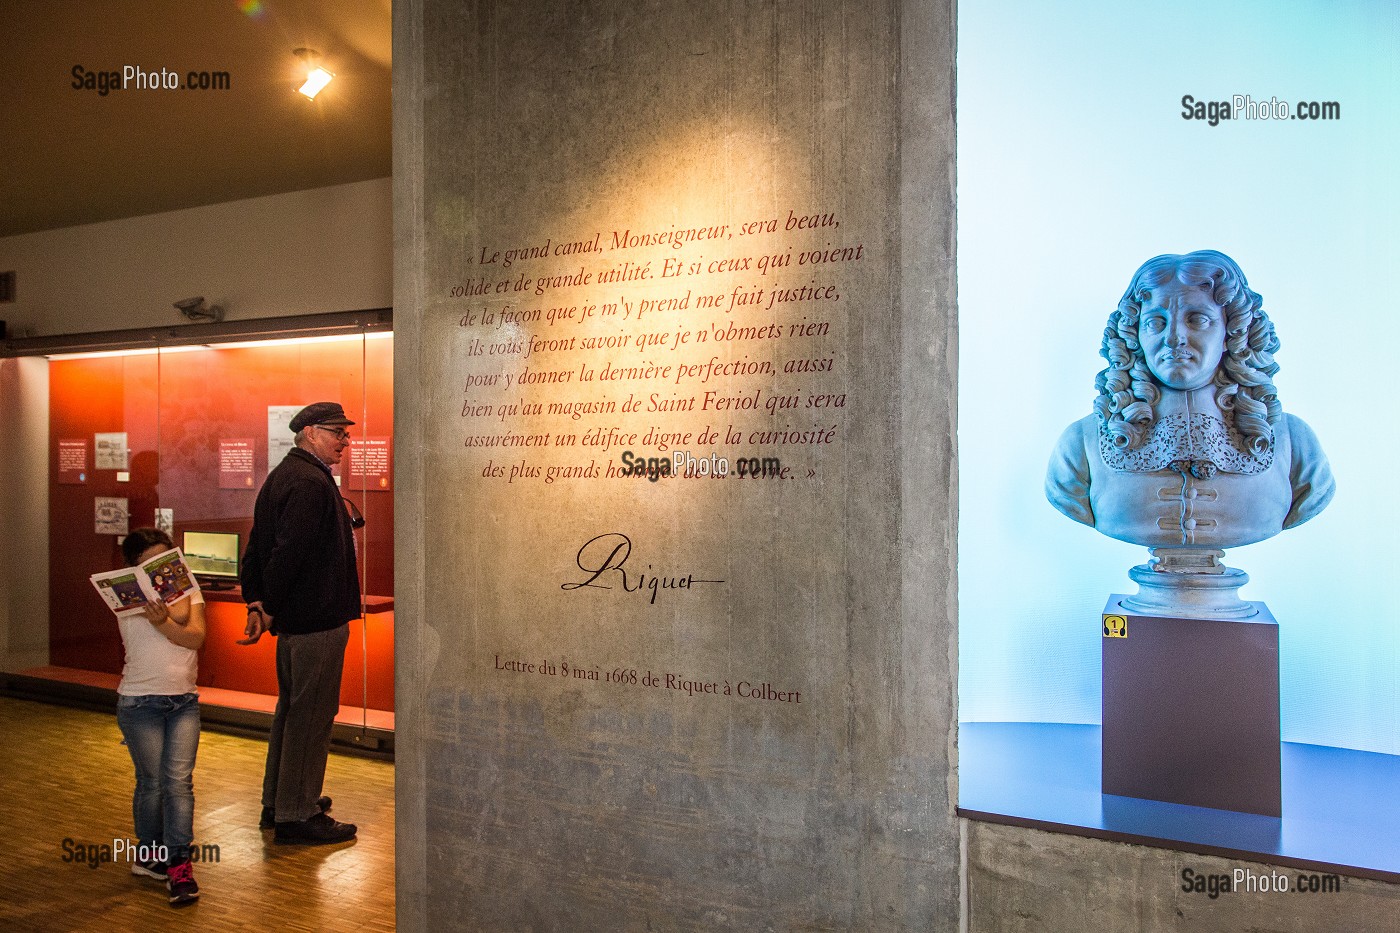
624,230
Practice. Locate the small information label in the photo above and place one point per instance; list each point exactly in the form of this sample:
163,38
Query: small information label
72,460
236,463
370,461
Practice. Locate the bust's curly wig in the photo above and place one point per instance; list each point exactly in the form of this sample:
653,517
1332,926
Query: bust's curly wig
1128,392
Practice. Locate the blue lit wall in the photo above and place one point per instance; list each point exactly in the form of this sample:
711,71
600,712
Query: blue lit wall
1074,166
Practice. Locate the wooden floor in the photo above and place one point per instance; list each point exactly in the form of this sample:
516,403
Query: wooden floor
64,774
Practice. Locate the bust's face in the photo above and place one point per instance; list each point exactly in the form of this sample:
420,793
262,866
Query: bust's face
1182,332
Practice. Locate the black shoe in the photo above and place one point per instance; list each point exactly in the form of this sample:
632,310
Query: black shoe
182,886
318,830
269,819
151,869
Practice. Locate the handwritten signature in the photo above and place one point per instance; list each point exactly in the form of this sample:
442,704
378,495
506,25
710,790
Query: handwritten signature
606,553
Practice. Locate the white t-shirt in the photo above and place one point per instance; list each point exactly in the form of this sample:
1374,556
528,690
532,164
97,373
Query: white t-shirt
155,664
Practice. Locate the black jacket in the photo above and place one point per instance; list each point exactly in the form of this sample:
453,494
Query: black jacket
300,560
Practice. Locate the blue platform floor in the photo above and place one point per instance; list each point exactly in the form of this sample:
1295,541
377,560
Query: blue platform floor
1341,807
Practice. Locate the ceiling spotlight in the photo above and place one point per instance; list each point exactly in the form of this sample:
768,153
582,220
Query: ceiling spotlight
316,76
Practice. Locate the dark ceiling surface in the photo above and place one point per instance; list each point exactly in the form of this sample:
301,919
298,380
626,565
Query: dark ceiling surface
72,156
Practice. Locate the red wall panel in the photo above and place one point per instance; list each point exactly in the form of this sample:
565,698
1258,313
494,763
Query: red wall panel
175,409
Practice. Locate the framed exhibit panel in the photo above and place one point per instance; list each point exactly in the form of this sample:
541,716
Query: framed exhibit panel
180,436
1090,141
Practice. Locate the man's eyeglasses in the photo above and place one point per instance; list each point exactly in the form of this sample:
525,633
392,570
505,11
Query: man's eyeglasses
340,433
357,518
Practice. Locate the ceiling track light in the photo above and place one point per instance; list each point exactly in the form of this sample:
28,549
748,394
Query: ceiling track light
316,76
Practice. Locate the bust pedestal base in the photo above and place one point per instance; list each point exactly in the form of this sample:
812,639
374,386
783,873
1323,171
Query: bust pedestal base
1191,583
1190,709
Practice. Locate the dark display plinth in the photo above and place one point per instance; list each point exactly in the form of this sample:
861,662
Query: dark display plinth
1190,710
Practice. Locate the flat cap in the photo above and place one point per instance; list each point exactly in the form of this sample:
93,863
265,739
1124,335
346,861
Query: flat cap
319,413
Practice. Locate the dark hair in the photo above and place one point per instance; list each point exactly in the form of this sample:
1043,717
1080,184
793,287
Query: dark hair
142,540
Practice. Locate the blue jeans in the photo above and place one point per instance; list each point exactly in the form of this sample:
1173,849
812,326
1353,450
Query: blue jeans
162,734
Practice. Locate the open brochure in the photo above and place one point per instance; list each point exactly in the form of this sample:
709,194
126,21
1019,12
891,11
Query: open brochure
165,576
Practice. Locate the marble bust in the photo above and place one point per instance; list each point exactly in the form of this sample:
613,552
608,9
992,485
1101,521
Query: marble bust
1188,450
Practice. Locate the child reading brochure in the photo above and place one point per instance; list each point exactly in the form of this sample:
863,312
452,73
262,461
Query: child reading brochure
161,576
158,709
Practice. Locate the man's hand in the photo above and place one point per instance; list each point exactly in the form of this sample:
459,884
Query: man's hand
258,622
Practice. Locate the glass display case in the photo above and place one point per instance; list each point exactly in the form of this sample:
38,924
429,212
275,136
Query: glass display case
181,437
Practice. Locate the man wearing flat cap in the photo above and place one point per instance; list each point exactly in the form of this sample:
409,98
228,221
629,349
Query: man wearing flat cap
301,584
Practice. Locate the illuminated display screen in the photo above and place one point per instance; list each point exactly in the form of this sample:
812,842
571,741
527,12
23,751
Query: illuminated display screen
212,553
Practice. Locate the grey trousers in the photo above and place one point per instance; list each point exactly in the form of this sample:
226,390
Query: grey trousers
308,697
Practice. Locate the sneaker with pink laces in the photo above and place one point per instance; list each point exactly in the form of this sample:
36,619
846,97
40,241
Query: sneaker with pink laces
181,884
